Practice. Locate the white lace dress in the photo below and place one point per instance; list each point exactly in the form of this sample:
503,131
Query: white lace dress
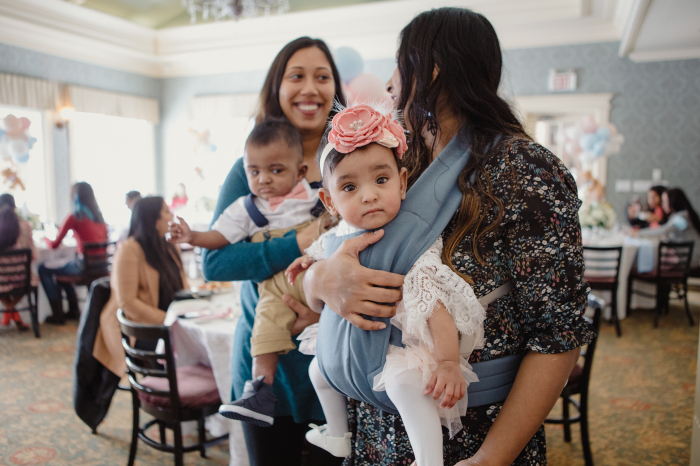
428,282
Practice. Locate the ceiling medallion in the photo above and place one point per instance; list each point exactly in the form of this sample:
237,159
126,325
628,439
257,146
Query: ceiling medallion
224,9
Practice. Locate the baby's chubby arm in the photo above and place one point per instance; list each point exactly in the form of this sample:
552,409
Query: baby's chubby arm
182,233
448,377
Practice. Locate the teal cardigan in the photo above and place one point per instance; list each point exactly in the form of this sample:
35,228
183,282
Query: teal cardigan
256,262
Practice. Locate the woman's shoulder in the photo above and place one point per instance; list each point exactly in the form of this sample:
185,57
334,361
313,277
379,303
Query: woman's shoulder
130,247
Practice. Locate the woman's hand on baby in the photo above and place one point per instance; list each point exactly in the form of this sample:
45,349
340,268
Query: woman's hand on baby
447,379
351,289
180,232
298,266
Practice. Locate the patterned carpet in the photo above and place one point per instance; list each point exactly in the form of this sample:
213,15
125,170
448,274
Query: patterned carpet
643,387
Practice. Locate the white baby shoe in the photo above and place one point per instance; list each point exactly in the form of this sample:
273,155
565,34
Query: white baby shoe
336,446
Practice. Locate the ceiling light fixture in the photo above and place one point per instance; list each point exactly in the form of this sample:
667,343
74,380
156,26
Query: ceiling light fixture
224,9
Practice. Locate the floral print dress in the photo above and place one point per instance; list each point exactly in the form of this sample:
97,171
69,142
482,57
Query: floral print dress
537,246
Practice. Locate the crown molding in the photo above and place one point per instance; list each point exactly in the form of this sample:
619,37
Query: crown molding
63,29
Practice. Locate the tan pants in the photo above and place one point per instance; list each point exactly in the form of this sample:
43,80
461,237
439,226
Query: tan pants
273,318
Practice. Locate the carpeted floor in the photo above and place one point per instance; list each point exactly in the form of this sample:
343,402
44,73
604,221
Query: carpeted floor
643,387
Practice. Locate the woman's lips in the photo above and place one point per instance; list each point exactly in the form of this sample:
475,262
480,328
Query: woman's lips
308,108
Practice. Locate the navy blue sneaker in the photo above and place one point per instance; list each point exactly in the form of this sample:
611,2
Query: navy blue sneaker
256,405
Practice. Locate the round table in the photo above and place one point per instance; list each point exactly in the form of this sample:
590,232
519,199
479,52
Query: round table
209,341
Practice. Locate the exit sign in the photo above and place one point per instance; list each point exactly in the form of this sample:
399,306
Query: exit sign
562,80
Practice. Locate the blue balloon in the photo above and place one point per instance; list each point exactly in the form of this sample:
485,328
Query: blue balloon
1,132
603,133
599,148
22,158
349,63
30,142
587,141
212,147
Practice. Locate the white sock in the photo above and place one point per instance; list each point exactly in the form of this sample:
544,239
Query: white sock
419,415
334,404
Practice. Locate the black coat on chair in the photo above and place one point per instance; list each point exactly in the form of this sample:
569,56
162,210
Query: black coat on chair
93,384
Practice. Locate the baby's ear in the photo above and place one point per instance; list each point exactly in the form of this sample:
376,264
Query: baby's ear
403,177
301,172
325,197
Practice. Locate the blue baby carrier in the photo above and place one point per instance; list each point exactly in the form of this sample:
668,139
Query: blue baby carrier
428,208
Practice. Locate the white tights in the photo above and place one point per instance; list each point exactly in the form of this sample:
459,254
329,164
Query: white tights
418,412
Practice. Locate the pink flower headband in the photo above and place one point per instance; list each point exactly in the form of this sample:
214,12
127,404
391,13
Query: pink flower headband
359,125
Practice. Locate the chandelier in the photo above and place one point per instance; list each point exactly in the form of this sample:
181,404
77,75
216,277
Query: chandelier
223,9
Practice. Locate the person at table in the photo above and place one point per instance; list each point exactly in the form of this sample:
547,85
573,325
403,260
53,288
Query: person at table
15,233
88,226
146,273
517,223
300,86
132,197
654,215
683,223
179,199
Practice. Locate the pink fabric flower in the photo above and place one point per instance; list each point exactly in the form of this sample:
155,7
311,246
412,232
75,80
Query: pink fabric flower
360,125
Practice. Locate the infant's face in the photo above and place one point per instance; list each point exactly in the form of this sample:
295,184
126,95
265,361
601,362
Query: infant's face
273,169
366,188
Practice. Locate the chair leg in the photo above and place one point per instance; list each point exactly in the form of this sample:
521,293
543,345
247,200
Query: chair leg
629,296
615,317
161,429
565,417
585,440
659,304
687,308
177,430
34,311
134,428
202,437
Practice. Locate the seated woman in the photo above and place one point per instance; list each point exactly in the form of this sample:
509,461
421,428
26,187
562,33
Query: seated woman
88,226
15,233
683,223
146,274
654,215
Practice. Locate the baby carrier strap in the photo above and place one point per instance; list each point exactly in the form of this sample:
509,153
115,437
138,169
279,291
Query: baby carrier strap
428,208
253,211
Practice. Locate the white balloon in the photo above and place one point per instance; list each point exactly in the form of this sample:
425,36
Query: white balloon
18,147
5,151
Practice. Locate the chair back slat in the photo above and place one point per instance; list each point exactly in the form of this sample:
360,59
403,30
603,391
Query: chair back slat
603,261
15,271
674,259
139,363
98,255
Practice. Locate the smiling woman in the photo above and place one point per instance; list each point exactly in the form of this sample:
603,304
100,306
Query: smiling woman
300,87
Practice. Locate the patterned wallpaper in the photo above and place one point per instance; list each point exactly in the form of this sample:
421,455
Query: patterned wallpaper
656,107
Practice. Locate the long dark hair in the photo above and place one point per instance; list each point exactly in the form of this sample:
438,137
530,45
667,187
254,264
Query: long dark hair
9,227
269,104
160,254
464,47
679,202
84,195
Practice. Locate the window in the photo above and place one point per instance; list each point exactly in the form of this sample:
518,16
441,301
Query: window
115,155
32,173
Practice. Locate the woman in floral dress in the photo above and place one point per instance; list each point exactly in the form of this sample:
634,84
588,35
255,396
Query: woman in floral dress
517,223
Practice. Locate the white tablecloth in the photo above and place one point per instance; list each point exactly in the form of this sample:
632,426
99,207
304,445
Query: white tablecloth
210,342
634,250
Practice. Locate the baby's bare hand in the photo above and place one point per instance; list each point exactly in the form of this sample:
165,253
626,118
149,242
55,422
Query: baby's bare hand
298,266
447,379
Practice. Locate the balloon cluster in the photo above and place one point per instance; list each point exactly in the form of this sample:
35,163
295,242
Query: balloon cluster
358,86
15,144
589,141
202,141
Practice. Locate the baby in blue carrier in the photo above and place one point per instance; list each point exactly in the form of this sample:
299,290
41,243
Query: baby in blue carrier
426,378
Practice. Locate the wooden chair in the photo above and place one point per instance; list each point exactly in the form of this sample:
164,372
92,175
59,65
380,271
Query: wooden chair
578,384
16,272
672,272
605,261
171,395
97,262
